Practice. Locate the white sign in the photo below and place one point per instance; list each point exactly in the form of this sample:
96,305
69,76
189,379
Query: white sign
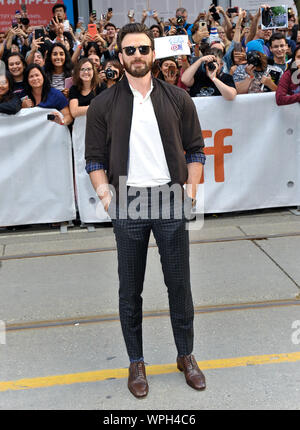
171,46
247,166
274,17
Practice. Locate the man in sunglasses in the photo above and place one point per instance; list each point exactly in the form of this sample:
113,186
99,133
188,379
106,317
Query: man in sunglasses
147,132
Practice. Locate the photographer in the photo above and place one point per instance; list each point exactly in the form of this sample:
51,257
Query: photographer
111,74
259,77
205,77
179,24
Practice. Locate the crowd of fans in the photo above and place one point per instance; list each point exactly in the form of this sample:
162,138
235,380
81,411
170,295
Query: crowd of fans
62,68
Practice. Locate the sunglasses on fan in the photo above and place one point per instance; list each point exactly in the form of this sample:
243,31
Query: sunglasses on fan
130,50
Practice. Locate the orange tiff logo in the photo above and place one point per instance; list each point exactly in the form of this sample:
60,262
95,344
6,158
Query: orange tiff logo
218,151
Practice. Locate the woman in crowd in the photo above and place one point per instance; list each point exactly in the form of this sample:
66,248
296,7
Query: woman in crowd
41,94
223,37
9,102
170,72
58,67
239,61
288,90
85,88
16,65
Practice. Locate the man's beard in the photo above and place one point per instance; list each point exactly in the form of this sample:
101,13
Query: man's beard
138,72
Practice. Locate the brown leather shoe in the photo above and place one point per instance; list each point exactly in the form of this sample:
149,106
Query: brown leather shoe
193,375
137,381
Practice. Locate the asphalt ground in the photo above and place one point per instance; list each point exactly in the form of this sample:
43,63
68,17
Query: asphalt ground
63,345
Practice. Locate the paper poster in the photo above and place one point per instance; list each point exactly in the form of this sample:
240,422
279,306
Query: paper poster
171,46
274,17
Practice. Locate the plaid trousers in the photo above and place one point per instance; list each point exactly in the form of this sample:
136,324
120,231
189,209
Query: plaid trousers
171,235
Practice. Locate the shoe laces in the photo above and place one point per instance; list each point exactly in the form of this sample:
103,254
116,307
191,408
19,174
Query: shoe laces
190,361
140,369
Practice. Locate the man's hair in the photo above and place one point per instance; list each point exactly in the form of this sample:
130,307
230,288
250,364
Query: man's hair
276,36
216,52
181,10
134,28
58,5
110,24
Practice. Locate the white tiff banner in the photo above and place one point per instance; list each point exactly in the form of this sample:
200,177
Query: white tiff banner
36,174
253,153
253,156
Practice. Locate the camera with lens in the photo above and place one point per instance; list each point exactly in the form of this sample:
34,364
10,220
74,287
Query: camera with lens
110,74
253,58
211,66
180,20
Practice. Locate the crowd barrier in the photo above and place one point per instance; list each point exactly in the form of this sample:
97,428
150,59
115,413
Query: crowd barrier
252,148
36,174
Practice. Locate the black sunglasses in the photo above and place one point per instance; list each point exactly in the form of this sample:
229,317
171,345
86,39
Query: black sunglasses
143,49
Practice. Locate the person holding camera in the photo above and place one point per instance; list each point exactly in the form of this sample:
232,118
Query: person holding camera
179,24
205,77
258,76
112,73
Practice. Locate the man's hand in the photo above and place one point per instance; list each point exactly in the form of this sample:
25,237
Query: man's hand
212,74
105,195
58,27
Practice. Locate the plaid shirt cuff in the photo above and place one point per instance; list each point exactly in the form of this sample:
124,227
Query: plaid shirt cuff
91,166
198,157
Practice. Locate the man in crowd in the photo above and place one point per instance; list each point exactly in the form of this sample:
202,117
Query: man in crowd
205,77
279,47
111,38
160,120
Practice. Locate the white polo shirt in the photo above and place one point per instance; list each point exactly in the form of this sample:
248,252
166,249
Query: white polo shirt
147,161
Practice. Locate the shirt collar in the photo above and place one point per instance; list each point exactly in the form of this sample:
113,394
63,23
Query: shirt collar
136,93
